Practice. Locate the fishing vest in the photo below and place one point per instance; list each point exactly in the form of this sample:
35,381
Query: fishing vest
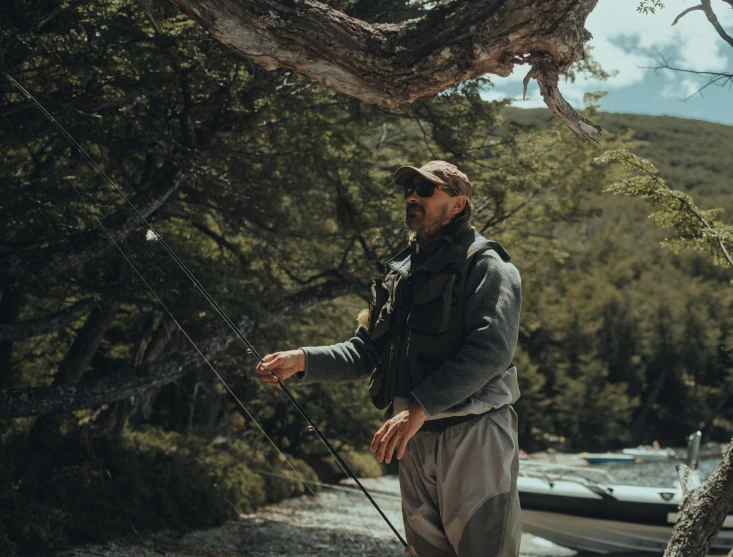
416,315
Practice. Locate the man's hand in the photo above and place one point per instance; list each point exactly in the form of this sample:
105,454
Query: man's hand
281,365
398,431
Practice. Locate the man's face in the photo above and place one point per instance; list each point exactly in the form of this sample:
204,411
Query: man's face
425,216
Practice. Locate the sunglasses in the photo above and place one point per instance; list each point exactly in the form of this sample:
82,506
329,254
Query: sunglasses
427,189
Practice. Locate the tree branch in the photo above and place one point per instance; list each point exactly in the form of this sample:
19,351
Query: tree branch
712,18
393,64
707,8
687,11
547,79
47,324
719,79
223,243
86,343
38,401
703,511
686,205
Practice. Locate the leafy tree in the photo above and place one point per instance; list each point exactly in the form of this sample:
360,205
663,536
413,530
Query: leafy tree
276,192
703,511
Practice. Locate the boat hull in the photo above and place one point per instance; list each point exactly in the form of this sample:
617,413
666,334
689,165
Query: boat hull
603,536
604,518
607,458
645,454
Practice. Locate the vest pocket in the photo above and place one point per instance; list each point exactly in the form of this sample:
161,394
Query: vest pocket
379,309
431,304
378,388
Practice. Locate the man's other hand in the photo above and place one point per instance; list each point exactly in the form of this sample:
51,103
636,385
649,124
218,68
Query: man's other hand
396,432
281,365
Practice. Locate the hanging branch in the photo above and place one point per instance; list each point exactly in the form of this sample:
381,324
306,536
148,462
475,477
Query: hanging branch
693,227
394,64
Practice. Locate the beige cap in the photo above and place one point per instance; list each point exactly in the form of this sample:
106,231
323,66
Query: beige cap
438,172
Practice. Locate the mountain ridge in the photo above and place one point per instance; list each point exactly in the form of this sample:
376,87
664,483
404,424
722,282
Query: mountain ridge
694,156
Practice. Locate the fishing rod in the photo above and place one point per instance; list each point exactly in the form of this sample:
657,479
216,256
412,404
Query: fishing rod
409,550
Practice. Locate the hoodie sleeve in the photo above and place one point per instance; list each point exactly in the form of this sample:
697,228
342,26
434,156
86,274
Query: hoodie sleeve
492,303
345,361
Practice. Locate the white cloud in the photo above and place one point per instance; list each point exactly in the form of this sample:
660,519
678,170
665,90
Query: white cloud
627,41
681,89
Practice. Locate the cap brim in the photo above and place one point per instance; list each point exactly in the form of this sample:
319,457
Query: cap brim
405,173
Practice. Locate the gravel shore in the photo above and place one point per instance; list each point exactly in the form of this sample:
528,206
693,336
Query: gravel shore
339,522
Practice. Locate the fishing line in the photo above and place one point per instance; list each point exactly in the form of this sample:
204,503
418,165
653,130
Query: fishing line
218,375
344,467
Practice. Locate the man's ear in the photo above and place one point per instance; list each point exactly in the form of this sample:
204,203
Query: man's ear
458,204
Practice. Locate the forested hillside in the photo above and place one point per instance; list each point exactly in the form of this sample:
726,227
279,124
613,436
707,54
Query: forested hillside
693,155
633,343
278,195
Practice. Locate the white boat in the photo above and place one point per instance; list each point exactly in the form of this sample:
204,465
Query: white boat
650,453
583,509
605,458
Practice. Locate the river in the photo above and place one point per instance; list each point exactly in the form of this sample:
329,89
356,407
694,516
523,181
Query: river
338,522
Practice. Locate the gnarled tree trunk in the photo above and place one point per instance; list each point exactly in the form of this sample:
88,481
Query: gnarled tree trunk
393,64
703,511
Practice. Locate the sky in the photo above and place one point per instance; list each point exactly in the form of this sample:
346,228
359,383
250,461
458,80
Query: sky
627,41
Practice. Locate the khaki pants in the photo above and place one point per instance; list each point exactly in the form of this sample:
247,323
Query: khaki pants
459,489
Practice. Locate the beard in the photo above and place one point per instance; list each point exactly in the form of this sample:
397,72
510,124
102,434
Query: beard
419,225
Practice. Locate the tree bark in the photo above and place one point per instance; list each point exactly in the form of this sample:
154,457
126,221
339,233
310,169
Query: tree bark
703,511
38,401
27,329
393,64
76,361
86,343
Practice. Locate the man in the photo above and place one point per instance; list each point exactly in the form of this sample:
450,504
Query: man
438,343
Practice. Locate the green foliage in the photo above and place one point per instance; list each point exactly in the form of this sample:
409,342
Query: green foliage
620,310
649,6
593,409
692,227
90,488
611,297
687,152
284,189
